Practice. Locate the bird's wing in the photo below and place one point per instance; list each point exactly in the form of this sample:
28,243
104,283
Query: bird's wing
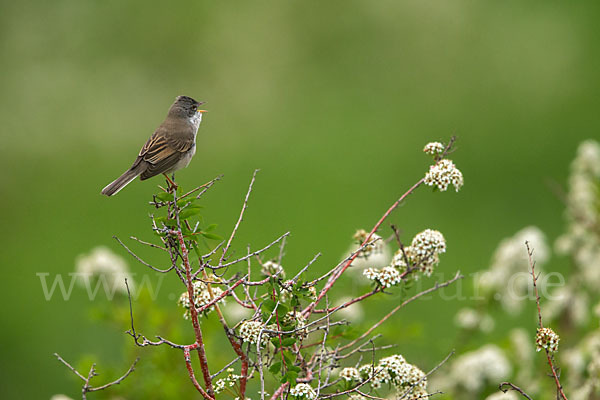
164,148
165,142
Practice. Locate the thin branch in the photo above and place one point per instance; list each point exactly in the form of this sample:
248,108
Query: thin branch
513,387
70,367
251,254
307,311
140,260
117,381
559,388
86,380
406,393
405,302
239,221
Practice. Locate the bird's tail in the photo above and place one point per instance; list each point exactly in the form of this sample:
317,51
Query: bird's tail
122,181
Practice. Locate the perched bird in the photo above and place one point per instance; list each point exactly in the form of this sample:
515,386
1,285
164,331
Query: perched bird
170,148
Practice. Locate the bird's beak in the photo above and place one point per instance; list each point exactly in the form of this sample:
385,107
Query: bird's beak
201,111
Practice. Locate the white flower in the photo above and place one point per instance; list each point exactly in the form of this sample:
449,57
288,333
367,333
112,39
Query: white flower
297,320
411,375
303,391
508,279
202,297
271,268
442,174
433,148
352,312
423,252
428,242
546,339
467,318
250,330
389,276
60,397
371,273
410,393
374,245
396,371
386,277
355,396
105,265
350,374
474,370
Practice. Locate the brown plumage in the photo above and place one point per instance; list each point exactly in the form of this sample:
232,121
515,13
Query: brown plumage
170,148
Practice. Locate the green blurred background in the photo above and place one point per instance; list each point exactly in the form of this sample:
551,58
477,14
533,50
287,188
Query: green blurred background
332,100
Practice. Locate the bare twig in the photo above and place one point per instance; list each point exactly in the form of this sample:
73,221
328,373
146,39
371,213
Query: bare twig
140,260
239,221
559,388
405,302
86,380
513,387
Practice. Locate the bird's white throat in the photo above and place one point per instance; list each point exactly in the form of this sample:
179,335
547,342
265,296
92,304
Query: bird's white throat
195,121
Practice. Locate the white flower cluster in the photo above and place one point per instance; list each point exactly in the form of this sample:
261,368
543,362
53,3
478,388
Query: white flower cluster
394,370
508,279
250,330
303,391
202,297
423,252
109,268
271,268
350,374
581,241
568,300
227,382
374,245
474,370
386,277
297,320
470,319
434,148
444,173
546,339
356,396
353,313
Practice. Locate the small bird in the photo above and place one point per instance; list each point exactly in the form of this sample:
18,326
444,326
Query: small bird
170,148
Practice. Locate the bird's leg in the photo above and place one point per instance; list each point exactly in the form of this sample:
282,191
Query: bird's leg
171,182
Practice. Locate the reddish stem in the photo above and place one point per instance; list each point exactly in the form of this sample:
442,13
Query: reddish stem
194,313
188,364
308,310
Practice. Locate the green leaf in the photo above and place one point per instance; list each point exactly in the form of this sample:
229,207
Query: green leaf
275,367
190,211
290,377
209,228
269,306
164,196
295,368
189,199
212,236
282,309
288,357
288,341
